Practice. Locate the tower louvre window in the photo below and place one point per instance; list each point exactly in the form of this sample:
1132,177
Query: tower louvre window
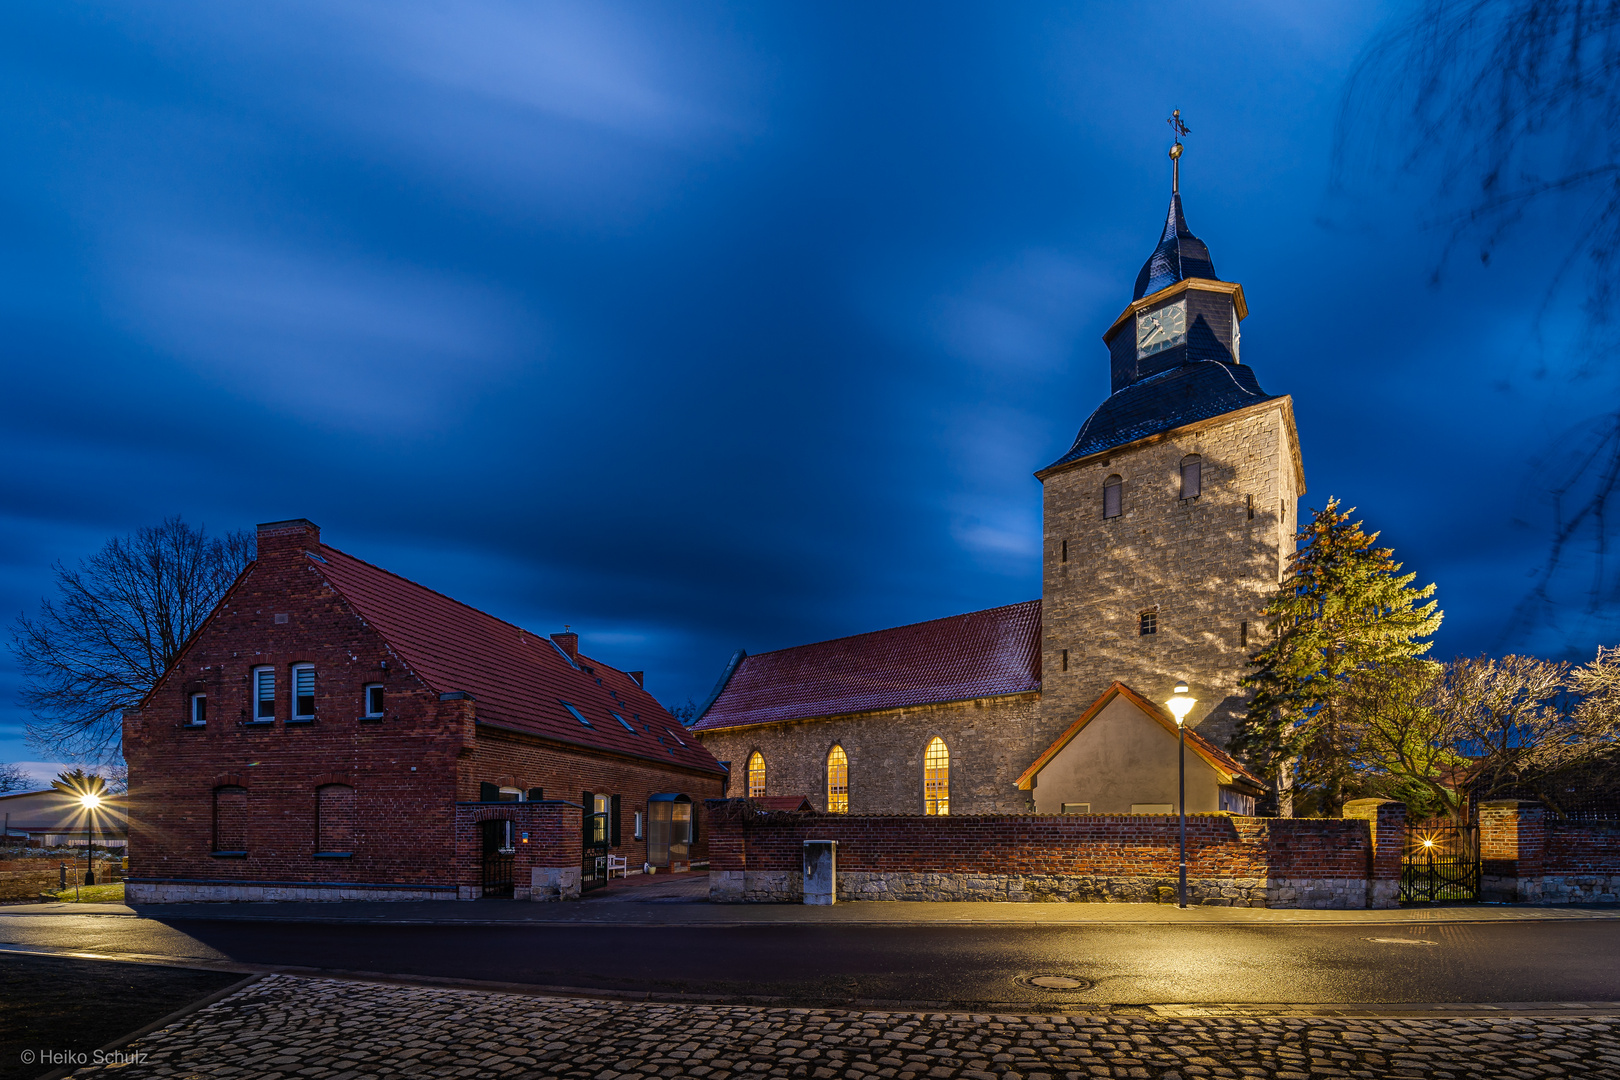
1148,622
1192,476
1111,496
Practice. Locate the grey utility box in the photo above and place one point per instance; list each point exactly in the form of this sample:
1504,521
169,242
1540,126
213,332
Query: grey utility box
821,871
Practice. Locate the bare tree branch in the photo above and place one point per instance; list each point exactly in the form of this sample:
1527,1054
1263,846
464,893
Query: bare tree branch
116,624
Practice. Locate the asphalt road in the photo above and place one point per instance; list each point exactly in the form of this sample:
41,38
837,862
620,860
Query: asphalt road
1150,964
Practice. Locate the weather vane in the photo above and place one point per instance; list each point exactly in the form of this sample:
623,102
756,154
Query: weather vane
1175,150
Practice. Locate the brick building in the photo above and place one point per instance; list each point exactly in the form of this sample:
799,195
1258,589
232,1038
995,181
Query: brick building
1168,522
335,731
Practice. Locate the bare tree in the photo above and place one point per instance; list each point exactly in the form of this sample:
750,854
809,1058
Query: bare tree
1508,112
12,778
118,621
1506,716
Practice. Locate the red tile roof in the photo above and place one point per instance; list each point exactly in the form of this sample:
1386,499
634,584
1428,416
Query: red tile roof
980,654
518,679
1223,763
790,803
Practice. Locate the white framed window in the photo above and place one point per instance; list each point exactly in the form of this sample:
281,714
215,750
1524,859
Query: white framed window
264,693
198,714
374,699
303,691
641,832
511,794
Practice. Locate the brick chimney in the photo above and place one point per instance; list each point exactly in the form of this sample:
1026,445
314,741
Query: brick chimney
640,677
568,642
280,539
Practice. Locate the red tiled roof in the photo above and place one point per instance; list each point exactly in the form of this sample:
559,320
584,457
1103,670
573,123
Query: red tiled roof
791,803
980,654
518,679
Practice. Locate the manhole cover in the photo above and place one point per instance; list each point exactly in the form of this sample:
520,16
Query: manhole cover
1053,982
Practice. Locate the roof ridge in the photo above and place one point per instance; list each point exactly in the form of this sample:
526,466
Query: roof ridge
436,592
888,629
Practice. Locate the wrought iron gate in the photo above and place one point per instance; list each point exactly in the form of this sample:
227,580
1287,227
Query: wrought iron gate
499,852
1441,862
594,851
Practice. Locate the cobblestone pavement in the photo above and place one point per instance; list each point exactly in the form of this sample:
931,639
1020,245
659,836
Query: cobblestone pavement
326,1029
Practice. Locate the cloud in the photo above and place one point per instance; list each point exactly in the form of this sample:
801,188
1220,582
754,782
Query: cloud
345,343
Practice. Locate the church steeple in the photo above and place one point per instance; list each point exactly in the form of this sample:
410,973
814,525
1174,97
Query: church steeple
1179,256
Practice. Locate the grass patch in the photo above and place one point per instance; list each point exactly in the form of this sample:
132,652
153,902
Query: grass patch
93,894
56,1003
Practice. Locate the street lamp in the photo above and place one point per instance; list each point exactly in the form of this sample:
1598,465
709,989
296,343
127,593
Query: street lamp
1180,705
91,802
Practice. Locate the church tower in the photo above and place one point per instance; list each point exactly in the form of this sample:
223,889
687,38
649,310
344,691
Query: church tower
1169,522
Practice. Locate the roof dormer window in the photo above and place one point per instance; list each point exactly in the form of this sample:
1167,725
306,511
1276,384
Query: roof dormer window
575,713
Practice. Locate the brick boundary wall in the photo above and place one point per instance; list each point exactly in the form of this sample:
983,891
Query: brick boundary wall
548,861
756,857
1527,856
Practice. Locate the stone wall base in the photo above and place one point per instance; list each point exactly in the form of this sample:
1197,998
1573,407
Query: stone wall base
551,883
771,886
138,892
1551,889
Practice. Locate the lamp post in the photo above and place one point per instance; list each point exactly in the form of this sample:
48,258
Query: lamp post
90,801
1180,705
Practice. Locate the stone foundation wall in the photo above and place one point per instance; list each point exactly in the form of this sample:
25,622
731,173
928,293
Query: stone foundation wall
167,892
1529,857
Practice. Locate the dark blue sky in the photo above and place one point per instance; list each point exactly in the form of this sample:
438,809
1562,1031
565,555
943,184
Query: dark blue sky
705,326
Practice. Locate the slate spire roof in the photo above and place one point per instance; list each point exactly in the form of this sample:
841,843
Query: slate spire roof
1179,256
980,654
1208,382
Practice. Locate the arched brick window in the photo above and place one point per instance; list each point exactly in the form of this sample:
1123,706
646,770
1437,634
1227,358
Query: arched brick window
1112,487
756,775
837,781
334,819
230,819
936,777
1192,476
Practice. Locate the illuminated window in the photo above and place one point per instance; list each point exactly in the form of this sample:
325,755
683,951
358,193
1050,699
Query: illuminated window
756,775
1111,489
936,778
1149,622
1192,476
837,781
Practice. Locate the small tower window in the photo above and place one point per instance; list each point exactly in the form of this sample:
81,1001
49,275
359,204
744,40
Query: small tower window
1148,622
1251,507
1243,633
837,781
756,775
1111,501
1063,552
1065,660
1192,476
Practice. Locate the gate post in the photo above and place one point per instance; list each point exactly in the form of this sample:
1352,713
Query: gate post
1386,821
1512,844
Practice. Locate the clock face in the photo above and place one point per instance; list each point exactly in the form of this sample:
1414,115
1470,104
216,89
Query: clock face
1161,328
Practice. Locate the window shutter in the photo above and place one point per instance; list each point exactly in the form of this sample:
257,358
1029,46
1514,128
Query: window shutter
488,792
537,794
614,821
588,820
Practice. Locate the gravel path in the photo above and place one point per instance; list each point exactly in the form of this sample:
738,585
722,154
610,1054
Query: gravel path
326,1029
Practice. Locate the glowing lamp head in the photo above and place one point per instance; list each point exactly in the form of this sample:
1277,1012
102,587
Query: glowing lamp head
90,800
1180,704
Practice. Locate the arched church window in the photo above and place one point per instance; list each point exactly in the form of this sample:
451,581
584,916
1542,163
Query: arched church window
756,775
837,781
1192,476
936,777
1111,501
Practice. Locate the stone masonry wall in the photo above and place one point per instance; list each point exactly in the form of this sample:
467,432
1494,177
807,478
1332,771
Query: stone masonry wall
1244,861
991,741
1204,564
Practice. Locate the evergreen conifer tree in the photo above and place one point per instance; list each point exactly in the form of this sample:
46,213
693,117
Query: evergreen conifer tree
1344,607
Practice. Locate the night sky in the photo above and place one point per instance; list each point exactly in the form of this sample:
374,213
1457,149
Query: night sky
701,327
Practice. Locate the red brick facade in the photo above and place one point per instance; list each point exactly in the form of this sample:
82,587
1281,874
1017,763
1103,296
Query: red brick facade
1528,855
194,789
